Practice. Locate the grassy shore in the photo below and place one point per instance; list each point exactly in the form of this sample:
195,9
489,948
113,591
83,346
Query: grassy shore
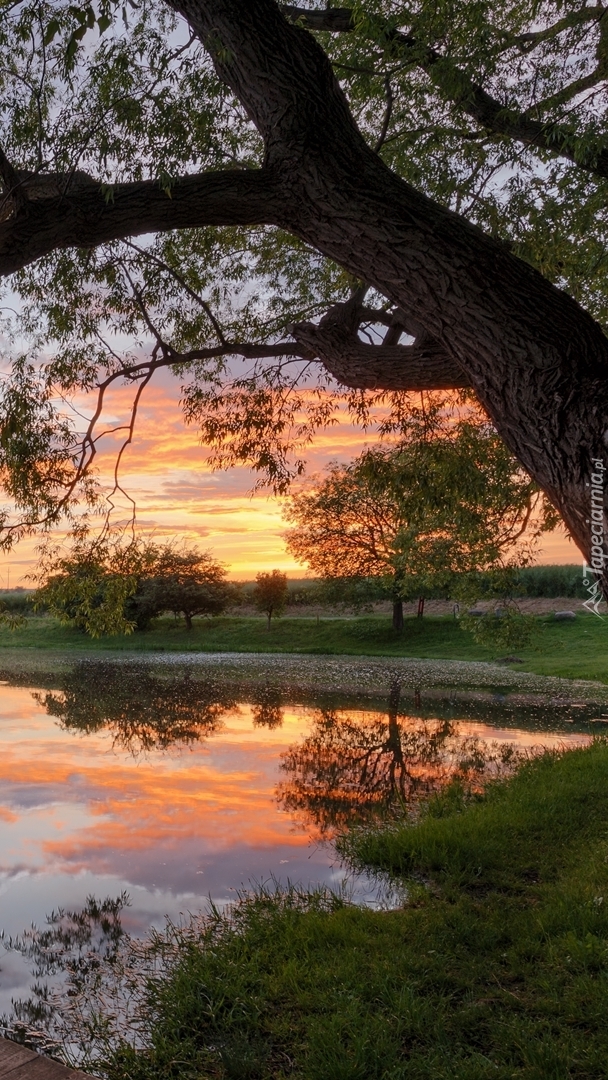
576,649
498,967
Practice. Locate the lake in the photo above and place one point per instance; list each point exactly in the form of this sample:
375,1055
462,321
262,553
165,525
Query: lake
180,778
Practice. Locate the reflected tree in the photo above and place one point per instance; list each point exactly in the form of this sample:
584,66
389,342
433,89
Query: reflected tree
355,768
143,710
267,707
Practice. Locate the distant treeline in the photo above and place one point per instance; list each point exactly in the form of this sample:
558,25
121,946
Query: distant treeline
532,581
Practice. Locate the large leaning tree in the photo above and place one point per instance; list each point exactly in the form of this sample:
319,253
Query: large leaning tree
385,198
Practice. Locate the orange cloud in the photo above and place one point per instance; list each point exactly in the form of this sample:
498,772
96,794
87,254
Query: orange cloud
166,471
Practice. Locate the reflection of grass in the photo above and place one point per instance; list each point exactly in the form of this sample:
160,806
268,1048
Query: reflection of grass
498,969
572,650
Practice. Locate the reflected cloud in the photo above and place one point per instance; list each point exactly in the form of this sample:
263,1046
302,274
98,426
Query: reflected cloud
169,780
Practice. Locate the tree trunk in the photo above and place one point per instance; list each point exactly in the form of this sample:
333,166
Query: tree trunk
269,617
188,619
538,362
397,614
393,745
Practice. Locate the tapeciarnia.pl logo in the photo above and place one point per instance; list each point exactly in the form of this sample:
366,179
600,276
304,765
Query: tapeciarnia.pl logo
598,556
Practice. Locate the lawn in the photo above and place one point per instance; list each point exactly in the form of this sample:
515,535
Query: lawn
577,649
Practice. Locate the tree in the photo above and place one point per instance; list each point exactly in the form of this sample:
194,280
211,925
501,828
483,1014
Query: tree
186,583
92,587
420,246
113,588
433,510
270,593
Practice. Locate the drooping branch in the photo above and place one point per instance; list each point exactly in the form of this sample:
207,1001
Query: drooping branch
457,87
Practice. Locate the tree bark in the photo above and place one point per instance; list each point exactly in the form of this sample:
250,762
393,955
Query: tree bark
86,217
356,363
397,614
537,361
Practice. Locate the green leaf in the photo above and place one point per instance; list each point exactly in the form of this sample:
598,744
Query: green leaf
51,31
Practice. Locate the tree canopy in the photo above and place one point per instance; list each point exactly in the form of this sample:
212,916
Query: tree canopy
431,511
186,582
297,208
110,587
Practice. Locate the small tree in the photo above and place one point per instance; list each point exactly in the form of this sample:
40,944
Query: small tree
187,583
270,593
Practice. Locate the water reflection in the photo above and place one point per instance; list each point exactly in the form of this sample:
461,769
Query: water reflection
353,767
176,784
142,711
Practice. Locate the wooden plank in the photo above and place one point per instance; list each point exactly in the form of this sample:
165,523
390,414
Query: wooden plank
19,1063
12,1055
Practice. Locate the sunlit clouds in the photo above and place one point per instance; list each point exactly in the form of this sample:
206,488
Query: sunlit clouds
166,472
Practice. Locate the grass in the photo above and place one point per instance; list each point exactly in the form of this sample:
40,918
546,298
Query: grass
576,649
498,966
498,969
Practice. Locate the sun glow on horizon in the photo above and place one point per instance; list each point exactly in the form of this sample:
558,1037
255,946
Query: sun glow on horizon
178,496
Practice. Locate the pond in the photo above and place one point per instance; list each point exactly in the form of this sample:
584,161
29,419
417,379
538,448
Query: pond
184,778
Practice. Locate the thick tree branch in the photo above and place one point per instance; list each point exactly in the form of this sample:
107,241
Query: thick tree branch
456,86
425,365
362,366
84,215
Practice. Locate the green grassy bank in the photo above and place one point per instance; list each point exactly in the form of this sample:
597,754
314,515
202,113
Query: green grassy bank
577,649
497,968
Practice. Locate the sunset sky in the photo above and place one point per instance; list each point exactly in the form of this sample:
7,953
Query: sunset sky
178,496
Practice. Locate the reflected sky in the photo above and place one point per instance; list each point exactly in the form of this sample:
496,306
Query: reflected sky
173,789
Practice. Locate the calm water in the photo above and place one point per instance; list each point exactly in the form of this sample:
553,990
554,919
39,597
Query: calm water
178,785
